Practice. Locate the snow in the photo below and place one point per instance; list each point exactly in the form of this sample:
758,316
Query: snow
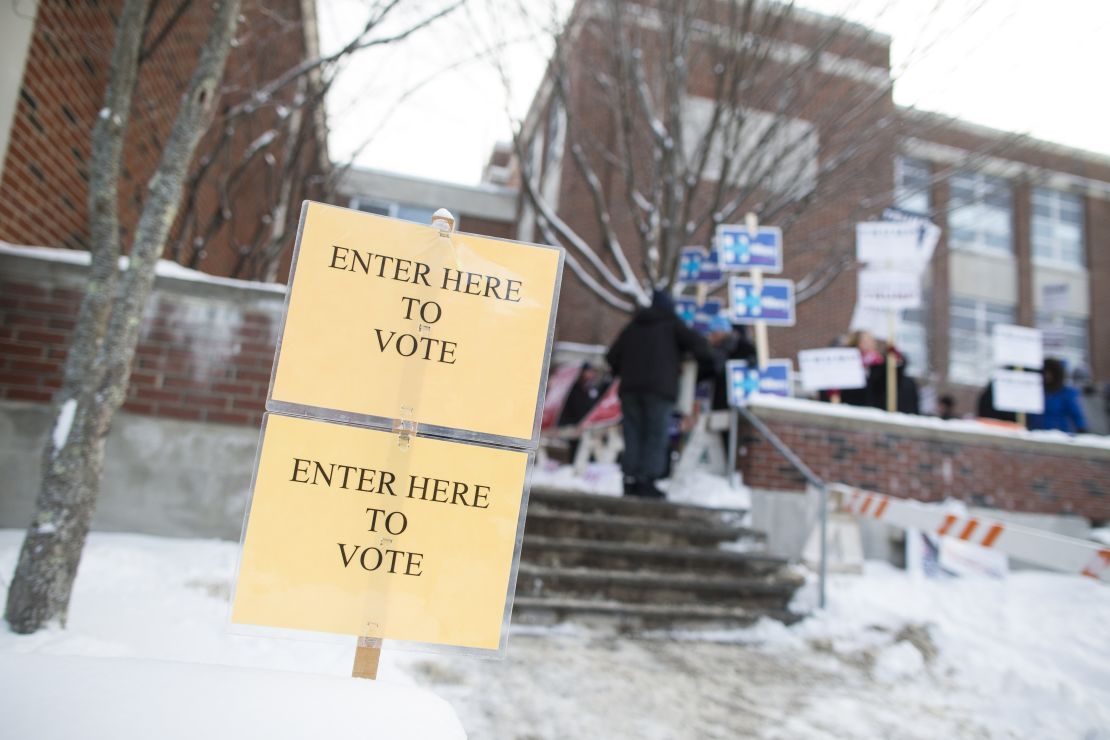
64,424
696,489
146,652
893,656
164,268
963,426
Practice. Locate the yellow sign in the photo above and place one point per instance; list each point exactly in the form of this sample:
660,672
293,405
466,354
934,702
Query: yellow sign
398,320
350,533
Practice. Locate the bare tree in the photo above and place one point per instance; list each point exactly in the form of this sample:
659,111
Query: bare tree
99,361
98,365
282,164
675,117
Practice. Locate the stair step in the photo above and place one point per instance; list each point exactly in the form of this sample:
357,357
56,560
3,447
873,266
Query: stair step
573,553
540,610
646,530
553,498
655,587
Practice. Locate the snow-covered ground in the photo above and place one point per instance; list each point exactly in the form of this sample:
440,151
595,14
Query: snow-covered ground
699,488
894,656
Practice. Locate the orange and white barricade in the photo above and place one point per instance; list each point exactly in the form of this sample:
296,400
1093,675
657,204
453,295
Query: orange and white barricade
1047,549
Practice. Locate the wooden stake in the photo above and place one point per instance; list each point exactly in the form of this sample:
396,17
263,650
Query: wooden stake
367,655
761,347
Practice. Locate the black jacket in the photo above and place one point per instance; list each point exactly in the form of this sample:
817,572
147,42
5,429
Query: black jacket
649,350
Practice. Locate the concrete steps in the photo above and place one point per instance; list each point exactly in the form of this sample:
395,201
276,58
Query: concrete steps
645,564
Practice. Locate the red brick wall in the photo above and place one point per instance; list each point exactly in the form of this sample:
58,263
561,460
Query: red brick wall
817,229
1015,475
205,352
44,188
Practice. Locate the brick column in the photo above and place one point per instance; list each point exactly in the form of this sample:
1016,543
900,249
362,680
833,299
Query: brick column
1096,232
938,309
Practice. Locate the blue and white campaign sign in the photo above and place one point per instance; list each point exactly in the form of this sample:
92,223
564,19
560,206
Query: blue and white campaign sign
710,271
689,263
696,265
695,316
744,380
744,250
773,303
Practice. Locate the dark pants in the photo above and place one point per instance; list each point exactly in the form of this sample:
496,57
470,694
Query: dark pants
645,422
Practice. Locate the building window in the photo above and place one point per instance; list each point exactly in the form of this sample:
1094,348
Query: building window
1058,227
912,180
980,215
416,214
369,206
1065,337
970,324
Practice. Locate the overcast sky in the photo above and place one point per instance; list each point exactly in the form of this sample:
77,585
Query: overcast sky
1030,66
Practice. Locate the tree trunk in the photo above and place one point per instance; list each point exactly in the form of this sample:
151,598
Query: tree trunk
97,375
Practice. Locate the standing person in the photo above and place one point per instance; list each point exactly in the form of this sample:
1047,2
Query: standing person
1061,402
647,357
726,342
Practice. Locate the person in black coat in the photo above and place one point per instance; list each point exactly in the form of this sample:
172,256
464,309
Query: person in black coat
647,357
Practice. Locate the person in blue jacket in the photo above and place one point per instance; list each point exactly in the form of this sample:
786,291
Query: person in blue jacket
1062,409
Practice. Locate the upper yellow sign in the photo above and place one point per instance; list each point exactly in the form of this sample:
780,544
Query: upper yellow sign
399,320
350,533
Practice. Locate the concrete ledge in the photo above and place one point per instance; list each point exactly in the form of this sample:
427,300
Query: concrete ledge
857,419
69,267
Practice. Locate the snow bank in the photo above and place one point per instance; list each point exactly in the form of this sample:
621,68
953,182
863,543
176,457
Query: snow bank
696,489
147,653
129,698
964,426
1027,654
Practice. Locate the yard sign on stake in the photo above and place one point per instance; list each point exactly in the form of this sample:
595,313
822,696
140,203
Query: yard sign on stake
378,530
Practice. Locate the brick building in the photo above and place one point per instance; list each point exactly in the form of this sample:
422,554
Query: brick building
55,59
1017,215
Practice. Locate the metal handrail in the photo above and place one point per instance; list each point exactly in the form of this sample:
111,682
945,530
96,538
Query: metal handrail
813,479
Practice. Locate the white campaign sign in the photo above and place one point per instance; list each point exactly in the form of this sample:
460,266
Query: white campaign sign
837,368
876,321
901,243
888,289
1015,390
1017,346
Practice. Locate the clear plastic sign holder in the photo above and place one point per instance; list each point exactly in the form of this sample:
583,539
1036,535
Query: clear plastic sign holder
407,429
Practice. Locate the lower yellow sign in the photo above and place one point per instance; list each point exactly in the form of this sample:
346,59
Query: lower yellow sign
351,533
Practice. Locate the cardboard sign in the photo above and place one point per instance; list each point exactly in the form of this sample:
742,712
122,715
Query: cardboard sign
740,249
1017,346
836,368
350,534
689,263
900,243
391,319
888,290
559,385
774,303
1014,390
710,269
744,380
928,234
695,316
